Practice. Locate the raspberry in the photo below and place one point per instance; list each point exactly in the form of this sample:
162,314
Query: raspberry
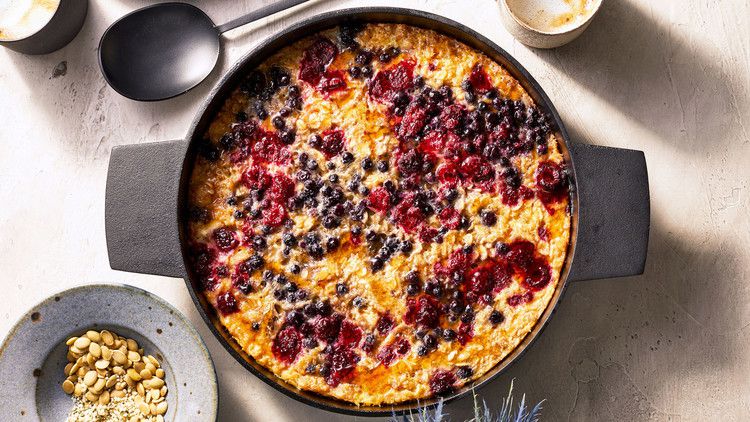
409,162
225,239
442,382
327,328
450,218
413,121
282,188
349,334
379,199
226,303
315,60
342,362
424,311
479,79
274,214
287,345
385,324
398,348
332,142
332,81
397,78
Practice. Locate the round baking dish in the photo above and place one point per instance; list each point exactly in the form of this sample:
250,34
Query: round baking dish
146,205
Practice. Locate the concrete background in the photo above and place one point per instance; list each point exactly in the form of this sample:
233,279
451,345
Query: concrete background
669,77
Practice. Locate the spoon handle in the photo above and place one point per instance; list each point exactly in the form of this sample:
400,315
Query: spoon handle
258,14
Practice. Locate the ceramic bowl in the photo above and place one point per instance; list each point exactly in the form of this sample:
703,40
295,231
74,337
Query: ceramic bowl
534,35
33,355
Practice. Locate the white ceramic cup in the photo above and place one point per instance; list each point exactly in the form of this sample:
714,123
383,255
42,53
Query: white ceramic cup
547,23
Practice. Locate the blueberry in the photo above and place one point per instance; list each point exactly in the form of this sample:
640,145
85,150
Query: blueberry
406,247
341,289
294,91
496,317
464,372
288,136
430,341
366,164
332,243
278,122
295,318
468,316
383,166
412,289
355,72
367,71
433,288
502,248
488,217
295,269
412,277
255,261
330,222
315,140
422,351
363,58
255,326
289,239
323,308
333,178
449,335
347,157
358,302
259,243
377,264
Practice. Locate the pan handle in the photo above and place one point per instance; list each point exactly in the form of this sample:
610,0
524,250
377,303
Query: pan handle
140,214
613,213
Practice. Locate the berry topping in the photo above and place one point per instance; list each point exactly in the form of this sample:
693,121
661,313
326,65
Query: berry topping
442,382
385,324
227,304
385,84
287,345
479,79
331,143
379,199
398,348
225,239
423,311
496,317
464,372
342,362
315,60
327,328
552,183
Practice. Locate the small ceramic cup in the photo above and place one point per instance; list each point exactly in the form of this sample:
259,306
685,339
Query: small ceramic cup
547,23
40,26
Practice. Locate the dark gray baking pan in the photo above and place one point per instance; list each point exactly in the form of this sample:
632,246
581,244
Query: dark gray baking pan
147,185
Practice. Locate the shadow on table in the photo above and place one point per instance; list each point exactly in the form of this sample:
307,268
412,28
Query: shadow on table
675,86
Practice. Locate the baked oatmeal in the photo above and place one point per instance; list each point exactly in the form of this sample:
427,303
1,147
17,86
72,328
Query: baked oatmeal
379,213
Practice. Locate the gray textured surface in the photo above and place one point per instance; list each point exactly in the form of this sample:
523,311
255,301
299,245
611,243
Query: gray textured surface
669,78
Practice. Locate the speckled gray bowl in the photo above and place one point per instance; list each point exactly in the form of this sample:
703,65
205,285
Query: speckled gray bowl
32,356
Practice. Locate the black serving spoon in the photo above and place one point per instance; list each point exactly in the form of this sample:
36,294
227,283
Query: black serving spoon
162,51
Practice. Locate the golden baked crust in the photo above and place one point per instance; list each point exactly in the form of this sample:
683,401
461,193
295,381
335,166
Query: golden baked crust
396,278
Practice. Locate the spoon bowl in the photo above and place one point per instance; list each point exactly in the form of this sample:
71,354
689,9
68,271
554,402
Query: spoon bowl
164,50
159,52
